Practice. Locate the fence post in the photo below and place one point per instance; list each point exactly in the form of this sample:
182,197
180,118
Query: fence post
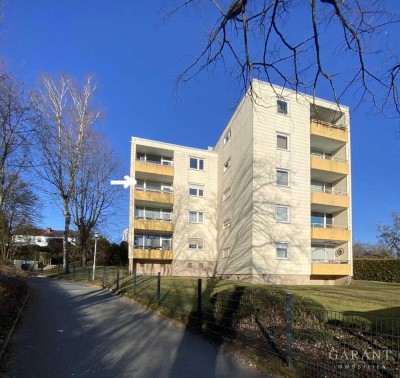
117,279
104,276
159,288
289,304
134,282
199,297
73,271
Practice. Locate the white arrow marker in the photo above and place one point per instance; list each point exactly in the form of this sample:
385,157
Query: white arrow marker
126,182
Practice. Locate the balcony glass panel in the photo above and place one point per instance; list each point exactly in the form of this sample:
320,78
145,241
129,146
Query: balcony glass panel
153,242
149,213
154,159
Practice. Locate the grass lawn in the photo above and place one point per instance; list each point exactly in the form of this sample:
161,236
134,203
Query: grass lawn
374,298
370,298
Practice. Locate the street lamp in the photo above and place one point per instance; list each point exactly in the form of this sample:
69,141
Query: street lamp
96,236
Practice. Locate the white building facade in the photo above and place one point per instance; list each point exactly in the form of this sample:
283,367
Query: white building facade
270,203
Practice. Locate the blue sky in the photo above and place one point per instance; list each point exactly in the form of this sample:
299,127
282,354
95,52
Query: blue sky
135,55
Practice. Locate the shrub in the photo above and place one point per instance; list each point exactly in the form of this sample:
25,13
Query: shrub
13,290
383,270
233,306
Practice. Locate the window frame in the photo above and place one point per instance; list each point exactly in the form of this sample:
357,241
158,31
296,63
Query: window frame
226,194
288,177
288,213
226,252
227,136
279,244
197,216
198,188
197,245
227,164
287,136
226,223
198,165
281,99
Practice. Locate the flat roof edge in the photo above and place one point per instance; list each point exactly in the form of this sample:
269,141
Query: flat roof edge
171,145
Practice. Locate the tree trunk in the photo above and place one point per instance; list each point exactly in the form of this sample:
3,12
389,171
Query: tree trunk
67,218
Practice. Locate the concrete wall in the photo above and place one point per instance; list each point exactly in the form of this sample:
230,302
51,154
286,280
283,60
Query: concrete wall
239,206
267,194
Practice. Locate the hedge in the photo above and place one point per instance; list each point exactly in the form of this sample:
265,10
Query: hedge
383,270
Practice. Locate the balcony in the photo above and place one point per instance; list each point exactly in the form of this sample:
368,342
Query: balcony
153,196
153,225
152,254
330,233
328,130
331,268
151,168
327,168
329,201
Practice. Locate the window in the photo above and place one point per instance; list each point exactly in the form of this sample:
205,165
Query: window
322,154
154,186
196,190
195,243
226,252
142,265
226,194
282,250
189,265
227,136
282,214
226,223
39,240
140,184
149,213
227,164
153,241
321,220
282,142
282,177
201,265
282,107
155,159
196,163
320,186
196,216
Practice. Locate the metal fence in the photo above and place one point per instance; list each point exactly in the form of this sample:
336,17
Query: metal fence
297,331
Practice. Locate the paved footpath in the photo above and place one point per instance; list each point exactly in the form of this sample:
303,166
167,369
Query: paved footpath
71,330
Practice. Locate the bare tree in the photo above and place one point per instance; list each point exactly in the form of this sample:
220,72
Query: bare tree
390,234
301,45
370,250
16,120
94,200
19,212
67,119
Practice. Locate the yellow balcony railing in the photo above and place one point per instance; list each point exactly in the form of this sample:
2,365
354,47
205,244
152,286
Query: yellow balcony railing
330,165
153,225
327,130
152,254
158,169
153,196
330,199
331,269
330,233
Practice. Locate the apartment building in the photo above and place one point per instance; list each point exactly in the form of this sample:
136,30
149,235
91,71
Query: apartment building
270,203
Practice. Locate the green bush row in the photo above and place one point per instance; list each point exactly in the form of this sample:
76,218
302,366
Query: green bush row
383,270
